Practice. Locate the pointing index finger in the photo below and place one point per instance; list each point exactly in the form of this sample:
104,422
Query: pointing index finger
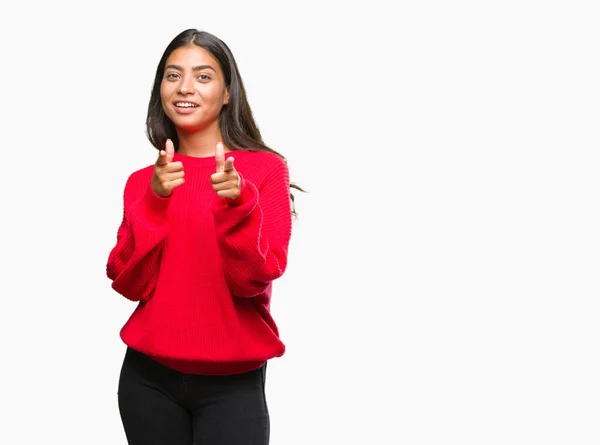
219,157
162,158
165,156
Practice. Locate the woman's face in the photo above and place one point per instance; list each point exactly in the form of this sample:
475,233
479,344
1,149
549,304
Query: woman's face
193,88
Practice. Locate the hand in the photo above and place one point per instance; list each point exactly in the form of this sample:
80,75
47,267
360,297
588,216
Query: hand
226,181
167,174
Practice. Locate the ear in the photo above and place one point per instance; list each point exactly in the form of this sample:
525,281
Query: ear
226,96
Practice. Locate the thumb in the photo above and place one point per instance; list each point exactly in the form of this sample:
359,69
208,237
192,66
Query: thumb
170,149
228,164
219,157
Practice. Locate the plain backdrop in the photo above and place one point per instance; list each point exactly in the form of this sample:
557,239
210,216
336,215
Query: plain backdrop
442,285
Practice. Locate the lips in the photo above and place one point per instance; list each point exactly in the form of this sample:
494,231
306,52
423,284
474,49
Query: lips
185,107
185,104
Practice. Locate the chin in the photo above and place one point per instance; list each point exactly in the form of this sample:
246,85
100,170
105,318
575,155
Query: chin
185,122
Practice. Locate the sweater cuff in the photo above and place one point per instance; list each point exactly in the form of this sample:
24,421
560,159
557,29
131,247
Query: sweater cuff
155,207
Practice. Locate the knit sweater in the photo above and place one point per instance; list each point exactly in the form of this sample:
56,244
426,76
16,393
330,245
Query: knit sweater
201,267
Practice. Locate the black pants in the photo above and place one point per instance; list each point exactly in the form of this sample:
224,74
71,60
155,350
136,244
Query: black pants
161,406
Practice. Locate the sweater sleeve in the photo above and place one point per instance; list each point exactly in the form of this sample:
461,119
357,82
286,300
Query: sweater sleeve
253,232
133,262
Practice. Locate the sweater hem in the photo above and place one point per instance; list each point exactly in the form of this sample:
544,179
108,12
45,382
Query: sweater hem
209,368
202,367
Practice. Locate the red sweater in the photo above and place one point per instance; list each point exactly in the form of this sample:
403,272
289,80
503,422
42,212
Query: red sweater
202,267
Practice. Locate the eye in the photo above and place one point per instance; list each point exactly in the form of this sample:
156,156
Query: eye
203,77
171,76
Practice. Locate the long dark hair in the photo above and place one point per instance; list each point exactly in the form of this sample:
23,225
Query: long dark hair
236,121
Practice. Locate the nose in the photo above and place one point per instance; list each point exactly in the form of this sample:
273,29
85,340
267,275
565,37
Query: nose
186,86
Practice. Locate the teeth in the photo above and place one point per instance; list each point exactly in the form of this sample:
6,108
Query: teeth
185,104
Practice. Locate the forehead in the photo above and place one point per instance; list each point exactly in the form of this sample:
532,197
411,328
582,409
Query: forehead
192,55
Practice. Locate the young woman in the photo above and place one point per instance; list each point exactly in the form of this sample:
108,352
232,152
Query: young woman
205,232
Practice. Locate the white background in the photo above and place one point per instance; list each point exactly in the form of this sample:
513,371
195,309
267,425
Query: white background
443,277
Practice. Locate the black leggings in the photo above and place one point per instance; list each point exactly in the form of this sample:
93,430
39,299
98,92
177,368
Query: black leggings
161,406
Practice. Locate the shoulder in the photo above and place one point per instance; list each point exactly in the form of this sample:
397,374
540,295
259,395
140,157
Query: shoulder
260,163
141,174
138,181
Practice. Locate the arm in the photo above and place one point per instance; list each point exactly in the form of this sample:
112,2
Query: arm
253,232
134,261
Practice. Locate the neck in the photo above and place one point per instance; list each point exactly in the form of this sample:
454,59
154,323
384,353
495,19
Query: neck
200,143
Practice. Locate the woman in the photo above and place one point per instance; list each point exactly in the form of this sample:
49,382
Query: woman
204,234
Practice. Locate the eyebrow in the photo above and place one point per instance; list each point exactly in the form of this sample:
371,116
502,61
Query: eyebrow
195,68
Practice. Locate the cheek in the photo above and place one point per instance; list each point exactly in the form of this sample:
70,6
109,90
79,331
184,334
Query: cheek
166,90
163,93
164,98
216,98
